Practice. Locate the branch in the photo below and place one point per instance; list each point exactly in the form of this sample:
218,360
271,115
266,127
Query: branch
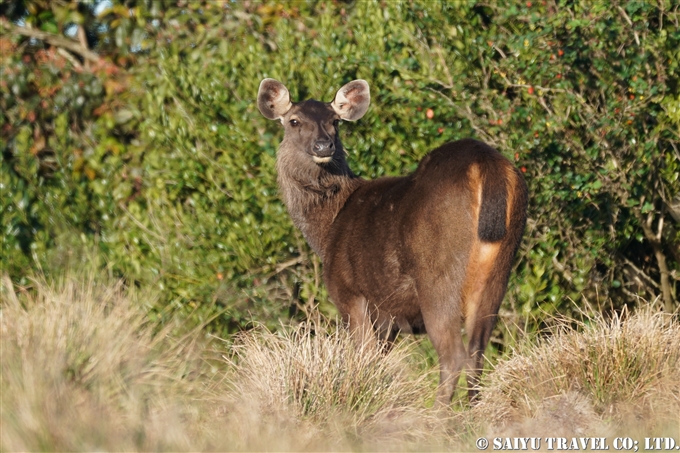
655,240
74,61
280,267
55,40
641,273
630,22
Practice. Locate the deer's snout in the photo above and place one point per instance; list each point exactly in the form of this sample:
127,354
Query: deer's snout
323,148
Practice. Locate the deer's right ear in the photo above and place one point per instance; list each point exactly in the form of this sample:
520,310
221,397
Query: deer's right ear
273,99
352,100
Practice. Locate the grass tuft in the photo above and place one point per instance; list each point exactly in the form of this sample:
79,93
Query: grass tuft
623,372
82,369
317,375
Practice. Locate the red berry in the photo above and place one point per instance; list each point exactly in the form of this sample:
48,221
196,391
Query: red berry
429,114
530,90
523,169
560,52
440,130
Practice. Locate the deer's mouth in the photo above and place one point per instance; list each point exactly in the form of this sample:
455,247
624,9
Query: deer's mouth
322,160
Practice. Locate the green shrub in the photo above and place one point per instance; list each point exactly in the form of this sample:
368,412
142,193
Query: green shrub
156,155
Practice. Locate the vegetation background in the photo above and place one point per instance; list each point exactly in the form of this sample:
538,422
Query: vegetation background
131,128
132,146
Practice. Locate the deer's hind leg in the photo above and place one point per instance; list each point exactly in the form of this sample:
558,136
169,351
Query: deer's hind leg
443,322
356,315
483,293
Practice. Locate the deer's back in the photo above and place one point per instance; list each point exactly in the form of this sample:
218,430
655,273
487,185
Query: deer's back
395,234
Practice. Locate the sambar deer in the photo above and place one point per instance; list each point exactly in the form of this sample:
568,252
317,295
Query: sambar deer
420,253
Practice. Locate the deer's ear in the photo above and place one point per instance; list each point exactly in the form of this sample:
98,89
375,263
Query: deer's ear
273,99
352,100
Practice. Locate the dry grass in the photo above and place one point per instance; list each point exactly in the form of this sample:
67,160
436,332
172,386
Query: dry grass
83,368
347,396
607,376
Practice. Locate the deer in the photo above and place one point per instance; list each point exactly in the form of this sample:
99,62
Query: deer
430,252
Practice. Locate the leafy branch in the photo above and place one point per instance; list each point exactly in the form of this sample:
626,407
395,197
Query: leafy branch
52,39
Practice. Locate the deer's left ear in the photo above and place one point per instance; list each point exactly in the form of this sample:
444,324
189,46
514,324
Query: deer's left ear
273,99
352,100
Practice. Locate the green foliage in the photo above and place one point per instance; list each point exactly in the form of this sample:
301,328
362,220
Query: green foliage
156,155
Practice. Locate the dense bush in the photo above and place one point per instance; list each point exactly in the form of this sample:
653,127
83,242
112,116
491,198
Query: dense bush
133,130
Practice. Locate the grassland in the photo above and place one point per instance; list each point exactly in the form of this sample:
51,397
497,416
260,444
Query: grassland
84,368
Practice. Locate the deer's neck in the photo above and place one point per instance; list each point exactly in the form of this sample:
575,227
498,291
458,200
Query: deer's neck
314,195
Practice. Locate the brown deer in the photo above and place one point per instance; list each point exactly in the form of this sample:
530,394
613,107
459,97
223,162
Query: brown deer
420,253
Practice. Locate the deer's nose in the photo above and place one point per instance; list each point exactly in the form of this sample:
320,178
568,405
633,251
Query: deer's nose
324,148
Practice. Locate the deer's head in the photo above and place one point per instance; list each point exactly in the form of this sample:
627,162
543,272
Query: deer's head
312,126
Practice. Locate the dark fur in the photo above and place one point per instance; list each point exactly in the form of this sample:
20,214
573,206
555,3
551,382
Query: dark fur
397,251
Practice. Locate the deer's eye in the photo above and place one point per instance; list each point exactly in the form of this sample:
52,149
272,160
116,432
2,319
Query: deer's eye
336,123
294,123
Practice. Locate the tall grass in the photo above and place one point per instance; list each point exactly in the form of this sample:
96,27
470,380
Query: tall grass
83,368
618,375
354,395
